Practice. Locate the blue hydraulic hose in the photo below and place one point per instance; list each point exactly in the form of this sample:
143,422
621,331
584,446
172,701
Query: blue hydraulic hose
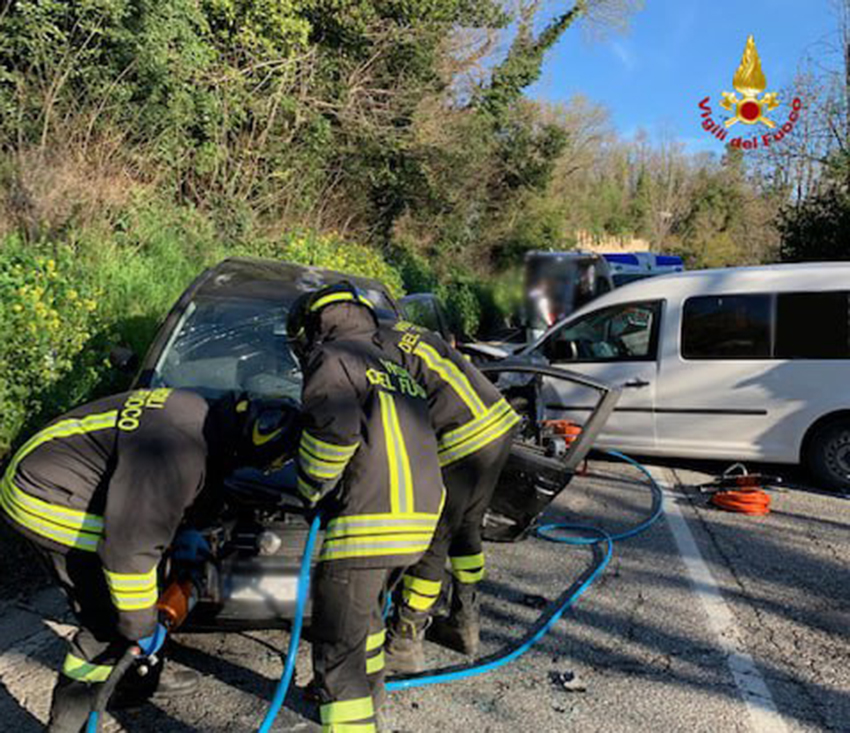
543,625
545,530
295,638
549,619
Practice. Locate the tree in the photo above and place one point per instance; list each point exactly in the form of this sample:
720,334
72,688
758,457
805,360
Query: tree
816,229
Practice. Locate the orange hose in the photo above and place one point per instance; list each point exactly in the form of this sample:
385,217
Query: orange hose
745,501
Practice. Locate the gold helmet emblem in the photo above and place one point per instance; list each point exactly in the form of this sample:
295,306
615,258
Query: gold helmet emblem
750,82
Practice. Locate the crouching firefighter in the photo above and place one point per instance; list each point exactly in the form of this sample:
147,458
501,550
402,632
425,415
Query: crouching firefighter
101,492
368,458
475,427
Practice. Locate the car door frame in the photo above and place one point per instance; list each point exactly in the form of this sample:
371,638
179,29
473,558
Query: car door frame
653,355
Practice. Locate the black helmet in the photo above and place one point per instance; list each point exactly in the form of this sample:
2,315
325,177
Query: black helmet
303,316
269,432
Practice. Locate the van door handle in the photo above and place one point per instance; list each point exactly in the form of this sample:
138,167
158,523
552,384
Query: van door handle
636,383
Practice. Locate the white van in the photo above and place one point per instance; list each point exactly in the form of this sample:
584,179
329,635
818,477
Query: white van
747,363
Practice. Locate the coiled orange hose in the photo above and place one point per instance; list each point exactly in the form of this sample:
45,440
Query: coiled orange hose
745,501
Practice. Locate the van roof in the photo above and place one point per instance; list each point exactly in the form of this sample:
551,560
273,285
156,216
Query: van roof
725,280
764,278
676,286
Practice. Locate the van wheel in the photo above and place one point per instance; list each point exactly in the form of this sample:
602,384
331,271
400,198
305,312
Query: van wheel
829,455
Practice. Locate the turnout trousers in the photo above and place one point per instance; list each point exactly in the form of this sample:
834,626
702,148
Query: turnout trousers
347,632
96,646
469,483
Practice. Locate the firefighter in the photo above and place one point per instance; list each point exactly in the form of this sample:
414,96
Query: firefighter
475,427
101,493
368,460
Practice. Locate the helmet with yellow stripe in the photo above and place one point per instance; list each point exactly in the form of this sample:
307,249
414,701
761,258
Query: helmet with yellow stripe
302,323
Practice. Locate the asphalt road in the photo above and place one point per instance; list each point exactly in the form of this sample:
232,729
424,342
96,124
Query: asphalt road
708,622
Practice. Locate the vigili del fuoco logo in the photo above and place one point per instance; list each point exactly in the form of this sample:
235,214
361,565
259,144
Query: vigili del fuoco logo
753,107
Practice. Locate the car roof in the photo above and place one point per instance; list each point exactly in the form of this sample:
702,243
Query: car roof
273,280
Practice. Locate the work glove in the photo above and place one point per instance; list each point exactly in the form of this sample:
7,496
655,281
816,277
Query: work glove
150,645
190,546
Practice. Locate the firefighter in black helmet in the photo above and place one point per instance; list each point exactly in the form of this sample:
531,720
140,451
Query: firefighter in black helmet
475,427
368,457
101,492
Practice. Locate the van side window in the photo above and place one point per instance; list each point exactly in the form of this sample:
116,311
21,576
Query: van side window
627,332
813,326
726,327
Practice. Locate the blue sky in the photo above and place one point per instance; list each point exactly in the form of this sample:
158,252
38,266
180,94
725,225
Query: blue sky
676,52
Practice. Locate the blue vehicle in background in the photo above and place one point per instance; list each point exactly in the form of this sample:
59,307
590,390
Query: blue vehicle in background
627,267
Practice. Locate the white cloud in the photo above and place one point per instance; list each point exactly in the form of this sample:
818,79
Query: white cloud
623,53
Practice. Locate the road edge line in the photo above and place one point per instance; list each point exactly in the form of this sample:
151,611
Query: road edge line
763,714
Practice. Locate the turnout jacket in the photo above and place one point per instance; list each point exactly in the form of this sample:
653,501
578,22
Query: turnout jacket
467,410
367,449
114,478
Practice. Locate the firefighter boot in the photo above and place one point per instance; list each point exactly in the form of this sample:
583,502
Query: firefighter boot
460,630
72,702
404,651
159,682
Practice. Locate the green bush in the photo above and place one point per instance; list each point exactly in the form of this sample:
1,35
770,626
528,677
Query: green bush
64,305
49,316
331,252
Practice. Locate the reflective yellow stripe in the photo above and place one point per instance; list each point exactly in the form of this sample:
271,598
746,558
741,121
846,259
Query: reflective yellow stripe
375,664
451,375
420,585
470,429
327,451
401,477
416,601
347,711
64,525
376,640
420,594
83,671
64,429
340,298
468,568
308,492
469,576
406,544
63,516
132,591
358,520
318,468
395,529
349,728
86,541
481,440
467,562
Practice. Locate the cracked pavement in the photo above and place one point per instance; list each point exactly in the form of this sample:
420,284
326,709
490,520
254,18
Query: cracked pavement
639,642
